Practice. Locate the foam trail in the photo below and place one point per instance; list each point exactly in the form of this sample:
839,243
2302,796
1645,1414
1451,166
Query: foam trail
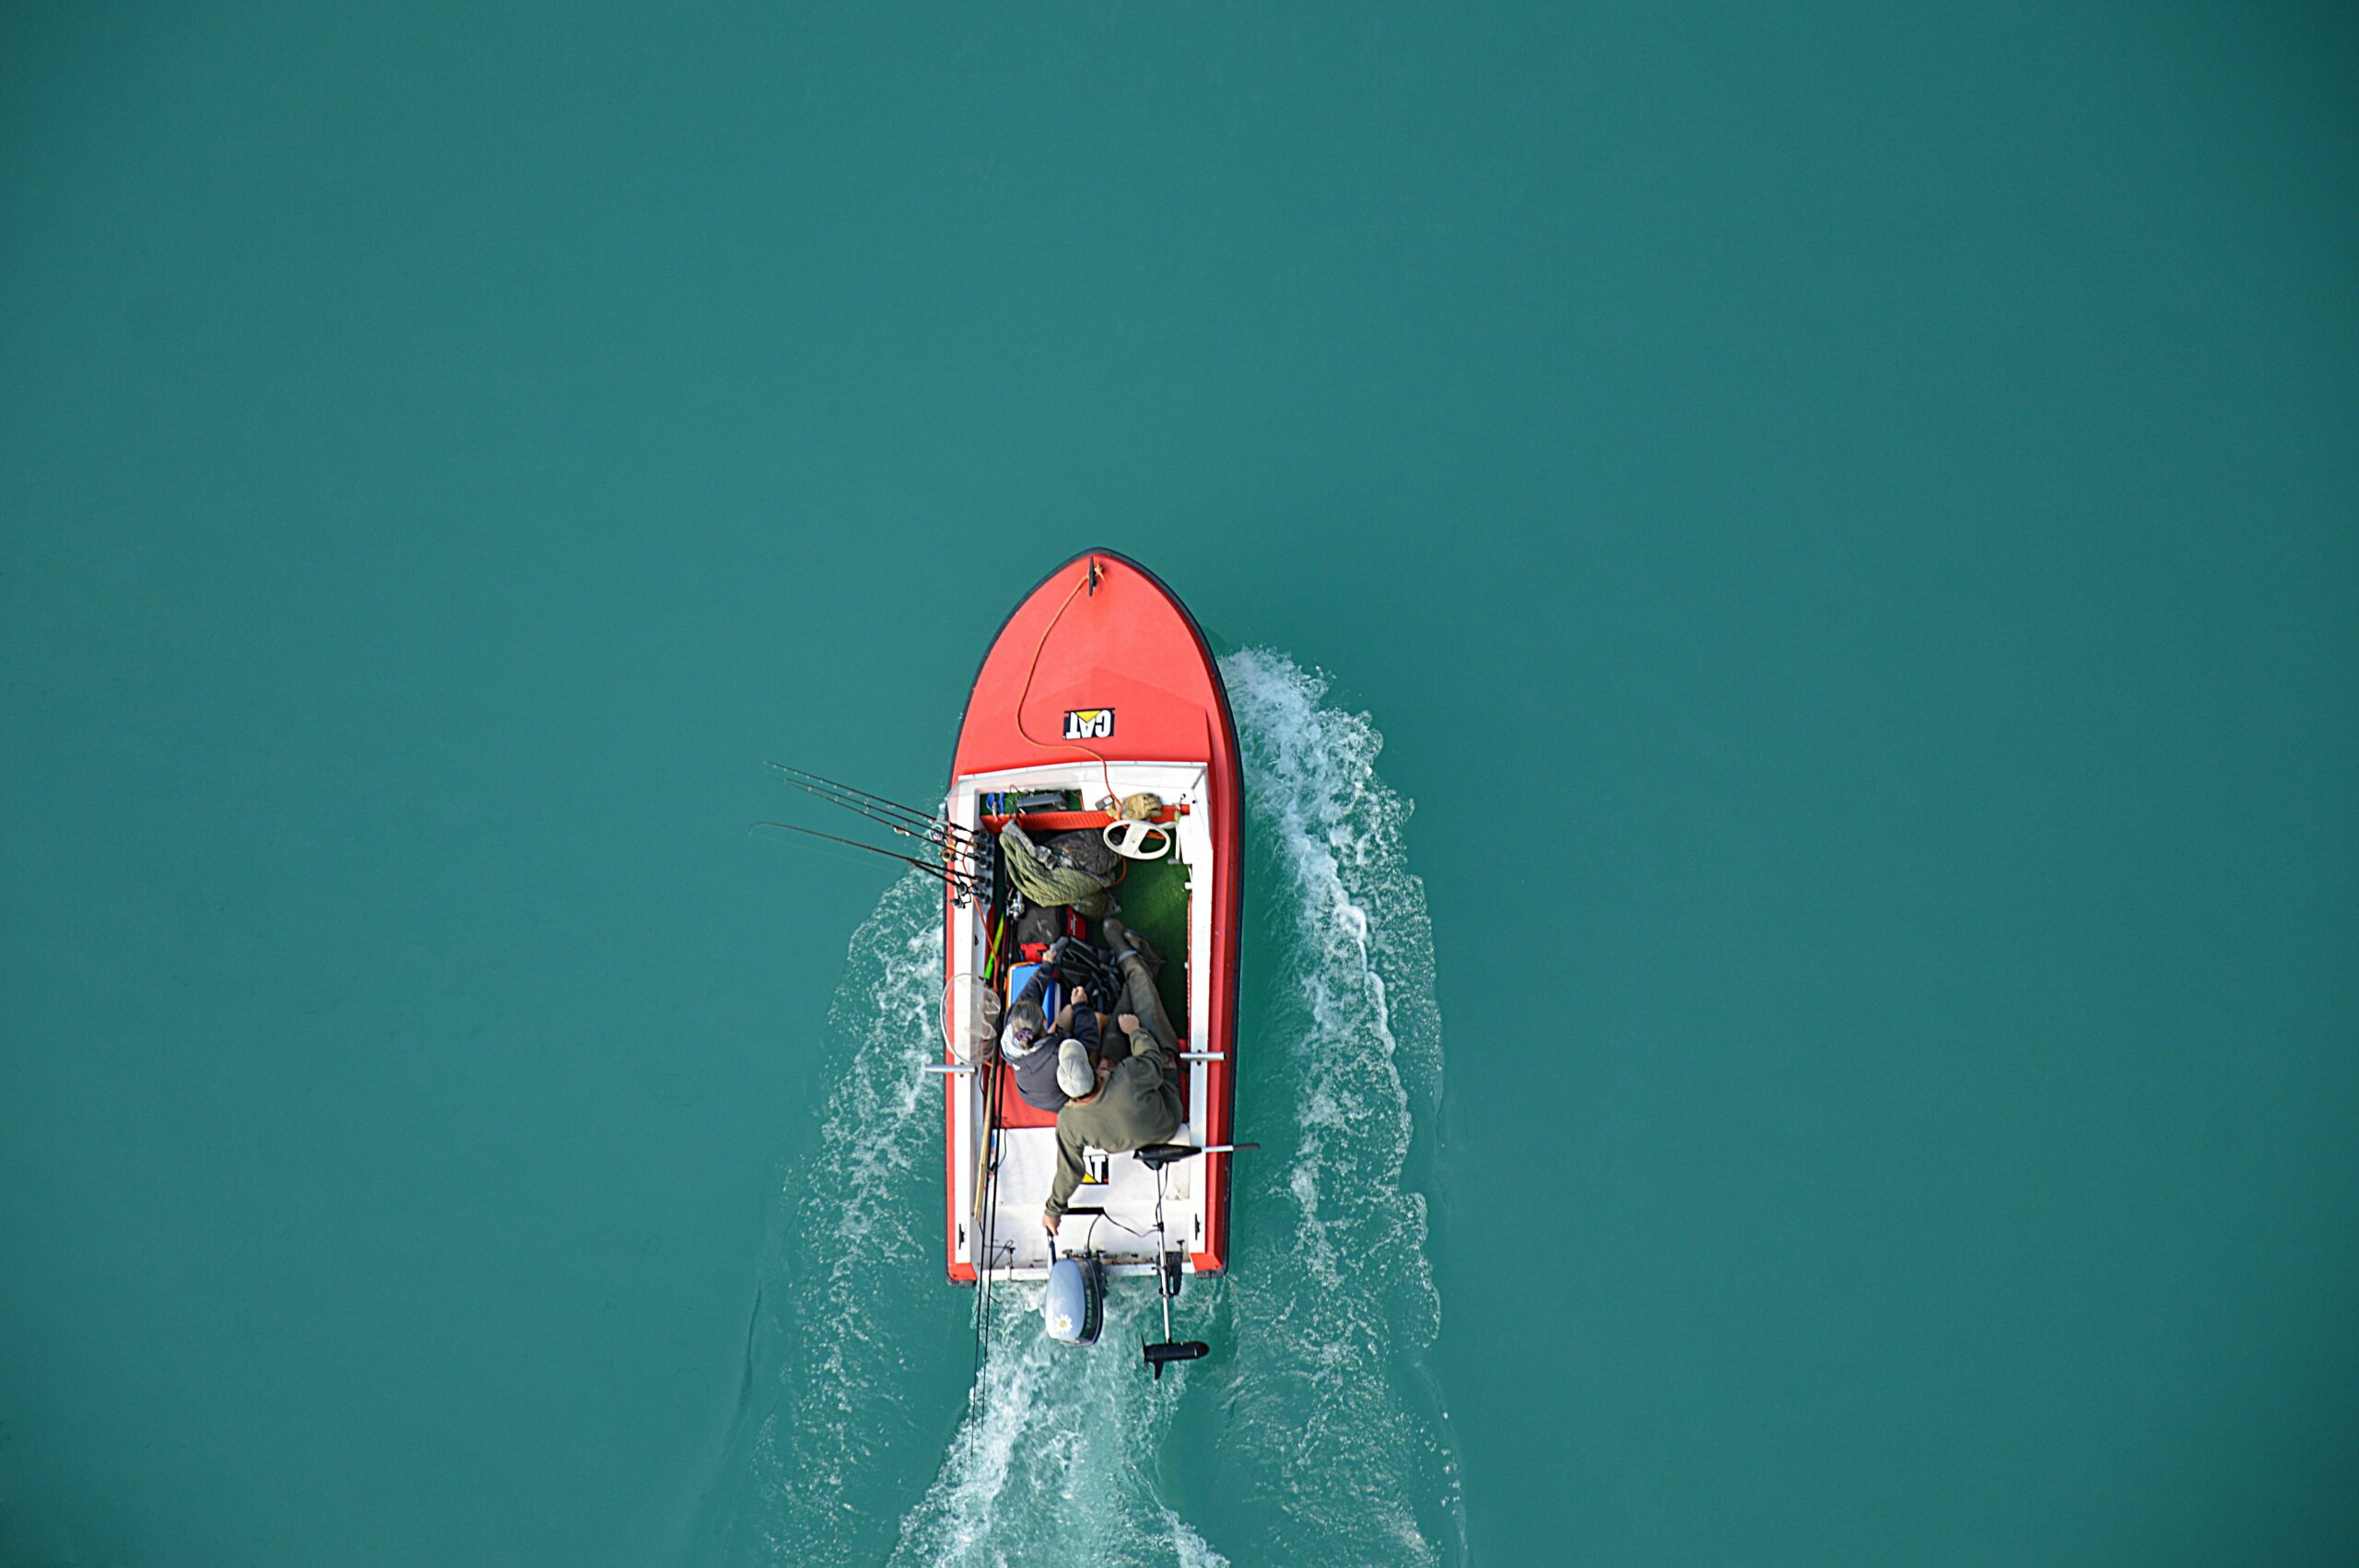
1056,1461
1339,1438
1056,1458
831,1378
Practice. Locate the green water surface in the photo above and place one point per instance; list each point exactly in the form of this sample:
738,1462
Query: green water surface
1846,520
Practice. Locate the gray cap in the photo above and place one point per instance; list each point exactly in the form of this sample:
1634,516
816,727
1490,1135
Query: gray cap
1075,1075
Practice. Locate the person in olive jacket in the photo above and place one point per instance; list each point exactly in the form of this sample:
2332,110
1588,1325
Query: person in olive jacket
1138,1103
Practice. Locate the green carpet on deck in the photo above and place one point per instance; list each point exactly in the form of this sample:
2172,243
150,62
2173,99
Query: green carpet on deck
1154,897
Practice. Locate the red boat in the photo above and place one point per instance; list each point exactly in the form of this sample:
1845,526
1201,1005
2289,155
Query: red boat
1100,688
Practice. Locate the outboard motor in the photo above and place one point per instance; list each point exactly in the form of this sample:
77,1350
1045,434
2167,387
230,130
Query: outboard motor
1075,1304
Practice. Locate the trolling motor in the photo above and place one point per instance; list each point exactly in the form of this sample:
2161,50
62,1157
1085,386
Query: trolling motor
1154,1157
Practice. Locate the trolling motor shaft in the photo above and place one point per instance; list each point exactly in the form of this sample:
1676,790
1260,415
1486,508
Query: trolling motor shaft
1166,1268
1166,1279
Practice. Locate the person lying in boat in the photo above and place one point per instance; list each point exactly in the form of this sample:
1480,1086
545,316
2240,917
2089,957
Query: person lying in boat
1124,1104
1030,1043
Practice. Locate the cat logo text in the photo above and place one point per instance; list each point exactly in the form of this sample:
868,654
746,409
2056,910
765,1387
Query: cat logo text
1089,724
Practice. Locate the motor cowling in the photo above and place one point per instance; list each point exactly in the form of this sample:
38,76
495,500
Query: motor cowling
1075,1304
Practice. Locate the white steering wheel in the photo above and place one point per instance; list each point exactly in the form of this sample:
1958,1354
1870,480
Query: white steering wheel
1136,840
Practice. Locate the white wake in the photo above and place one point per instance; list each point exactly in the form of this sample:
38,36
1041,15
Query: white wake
1340,1436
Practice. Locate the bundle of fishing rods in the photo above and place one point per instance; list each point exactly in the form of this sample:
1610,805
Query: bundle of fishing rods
960,858
965,860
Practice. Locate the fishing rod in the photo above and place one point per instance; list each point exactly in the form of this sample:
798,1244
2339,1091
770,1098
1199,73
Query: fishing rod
932,819
984,1054
937,833
934,830
999,930
987,1225
957,882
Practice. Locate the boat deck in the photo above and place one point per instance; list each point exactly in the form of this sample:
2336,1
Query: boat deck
998,1230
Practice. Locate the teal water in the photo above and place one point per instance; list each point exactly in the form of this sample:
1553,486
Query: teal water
1792,577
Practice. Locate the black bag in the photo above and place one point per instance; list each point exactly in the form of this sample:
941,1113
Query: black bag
1084,850
1041,923
1075,962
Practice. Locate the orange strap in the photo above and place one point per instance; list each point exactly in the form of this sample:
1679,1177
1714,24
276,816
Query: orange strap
1060,821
